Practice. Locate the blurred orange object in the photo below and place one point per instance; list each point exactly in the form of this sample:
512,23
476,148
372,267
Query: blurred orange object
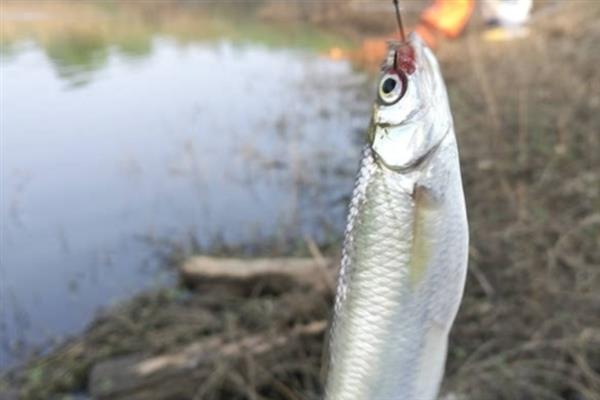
371,52
448,16
335,53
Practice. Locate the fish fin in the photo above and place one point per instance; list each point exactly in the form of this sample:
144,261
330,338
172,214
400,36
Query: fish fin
325,354
432,362
425,205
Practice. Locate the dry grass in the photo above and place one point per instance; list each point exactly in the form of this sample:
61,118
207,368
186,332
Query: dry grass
529,134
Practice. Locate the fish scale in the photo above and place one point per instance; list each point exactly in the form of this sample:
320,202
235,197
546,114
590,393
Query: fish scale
405,249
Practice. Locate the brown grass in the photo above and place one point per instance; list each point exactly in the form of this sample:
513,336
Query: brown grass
530,323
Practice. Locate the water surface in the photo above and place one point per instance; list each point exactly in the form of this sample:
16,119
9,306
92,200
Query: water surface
105,151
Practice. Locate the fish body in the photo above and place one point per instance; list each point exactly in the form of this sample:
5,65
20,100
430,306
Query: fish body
405,250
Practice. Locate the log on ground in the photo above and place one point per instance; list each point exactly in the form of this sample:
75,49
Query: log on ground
256,275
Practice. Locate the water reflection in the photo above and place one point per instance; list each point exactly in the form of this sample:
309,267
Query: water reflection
77,37
107,141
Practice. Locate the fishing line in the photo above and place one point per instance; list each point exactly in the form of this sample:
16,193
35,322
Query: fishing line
399,21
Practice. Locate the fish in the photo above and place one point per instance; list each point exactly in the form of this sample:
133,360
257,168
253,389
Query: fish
404,259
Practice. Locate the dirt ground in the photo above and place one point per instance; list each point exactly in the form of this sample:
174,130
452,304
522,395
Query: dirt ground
528,124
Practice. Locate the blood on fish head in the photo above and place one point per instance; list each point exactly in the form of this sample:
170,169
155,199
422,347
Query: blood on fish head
411,114
404,58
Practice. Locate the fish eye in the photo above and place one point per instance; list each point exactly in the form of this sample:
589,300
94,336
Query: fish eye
391,87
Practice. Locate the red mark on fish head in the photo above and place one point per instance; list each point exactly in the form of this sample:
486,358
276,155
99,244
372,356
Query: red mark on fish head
405,59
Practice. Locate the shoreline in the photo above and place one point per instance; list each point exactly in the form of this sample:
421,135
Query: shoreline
223,311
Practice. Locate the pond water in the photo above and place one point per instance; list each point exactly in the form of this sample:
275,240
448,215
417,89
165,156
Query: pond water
106,152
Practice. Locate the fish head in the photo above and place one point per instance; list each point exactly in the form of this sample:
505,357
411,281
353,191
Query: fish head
411,115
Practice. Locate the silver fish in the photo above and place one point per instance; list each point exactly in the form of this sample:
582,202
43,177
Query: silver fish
405,252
